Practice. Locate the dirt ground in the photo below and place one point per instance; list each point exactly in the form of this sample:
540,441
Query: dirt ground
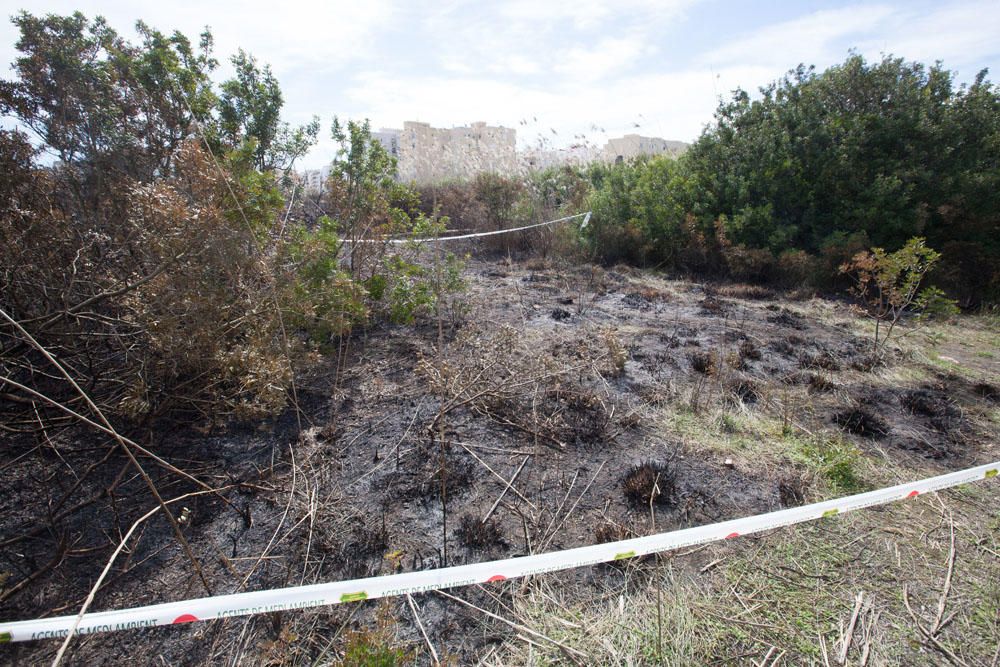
623,402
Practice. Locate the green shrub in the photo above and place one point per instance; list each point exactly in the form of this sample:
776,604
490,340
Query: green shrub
321,297
888,282
366,649
835,460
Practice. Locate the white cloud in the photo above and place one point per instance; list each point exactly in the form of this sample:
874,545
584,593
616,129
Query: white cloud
606,57
810,39
958,34
588,38
318,34
590,14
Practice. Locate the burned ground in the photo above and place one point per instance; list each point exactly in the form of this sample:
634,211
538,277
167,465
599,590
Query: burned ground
622,402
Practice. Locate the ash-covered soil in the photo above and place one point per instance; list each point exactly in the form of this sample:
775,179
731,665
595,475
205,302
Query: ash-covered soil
565,377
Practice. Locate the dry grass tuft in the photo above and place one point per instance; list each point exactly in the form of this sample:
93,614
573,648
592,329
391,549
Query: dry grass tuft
745,291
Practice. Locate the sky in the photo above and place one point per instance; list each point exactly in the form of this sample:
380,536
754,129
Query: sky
560,73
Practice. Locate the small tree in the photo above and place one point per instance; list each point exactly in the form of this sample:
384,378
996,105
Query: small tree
888,284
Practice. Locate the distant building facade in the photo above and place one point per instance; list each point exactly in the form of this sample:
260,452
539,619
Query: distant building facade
389,139
314,180
428,154
632,146
576,156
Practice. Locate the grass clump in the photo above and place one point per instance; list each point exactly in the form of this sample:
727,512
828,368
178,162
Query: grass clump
834,460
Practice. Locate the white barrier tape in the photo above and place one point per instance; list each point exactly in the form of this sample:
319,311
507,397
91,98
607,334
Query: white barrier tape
317,595
583,225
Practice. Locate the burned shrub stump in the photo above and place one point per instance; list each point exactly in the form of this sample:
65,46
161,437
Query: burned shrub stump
650,482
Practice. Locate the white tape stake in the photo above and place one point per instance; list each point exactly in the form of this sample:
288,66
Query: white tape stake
435,239
318,595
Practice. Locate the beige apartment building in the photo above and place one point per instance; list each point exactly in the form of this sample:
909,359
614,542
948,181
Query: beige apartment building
430,155
426,154
631,146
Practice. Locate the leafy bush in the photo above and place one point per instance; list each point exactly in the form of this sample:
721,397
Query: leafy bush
321,297
820,167
889,283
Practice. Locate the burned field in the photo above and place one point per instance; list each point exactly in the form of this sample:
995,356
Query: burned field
556,408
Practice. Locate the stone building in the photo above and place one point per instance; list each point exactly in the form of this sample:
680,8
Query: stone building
574,156
631,146
429,154
426,154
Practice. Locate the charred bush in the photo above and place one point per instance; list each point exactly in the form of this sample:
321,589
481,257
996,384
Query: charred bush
789,319
860,421
581,416
703,362
712,305
783,347
928,403
793,379
457,475
746,391
791,491
364,544
987,391
611,532
424,482
824,361
929,449
866,363
745,291
474,534
650,482
748,350
820,383
638,300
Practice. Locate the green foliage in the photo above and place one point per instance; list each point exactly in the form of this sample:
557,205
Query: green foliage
888,283
835,460
407,289
409,294
365,649
404,281
250,111
105,106
826,163
364,198
257,197
616,232
932,303
363,186
322,298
